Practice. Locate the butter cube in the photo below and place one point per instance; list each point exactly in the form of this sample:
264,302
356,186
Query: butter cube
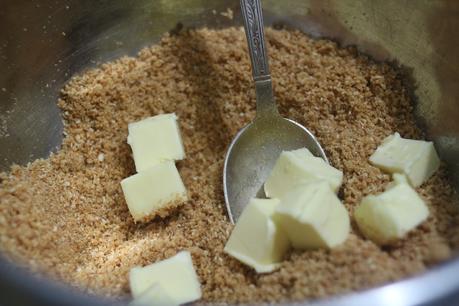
313,217
298,167
154,296
388,216
397,178
417,159
175,277
154,191
256,240
302,153
154,140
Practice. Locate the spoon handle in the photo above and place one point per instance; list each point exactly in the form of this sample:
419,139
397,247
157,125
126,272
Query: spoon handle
253,24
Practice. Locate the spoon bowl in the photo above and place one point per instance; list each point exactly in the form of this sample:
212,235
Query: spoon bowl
255,149
253,153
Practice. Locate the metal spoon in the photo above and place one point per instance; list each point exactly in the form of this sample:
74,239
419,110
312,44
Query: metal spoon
254,150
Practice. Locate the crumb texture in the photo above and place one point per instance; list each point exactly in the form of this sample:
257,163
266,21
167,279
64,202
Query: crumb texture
165,209
66,216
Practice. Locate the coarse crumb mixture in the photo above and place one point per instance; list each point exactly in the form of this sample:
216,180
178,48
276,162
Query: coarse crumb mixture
67,216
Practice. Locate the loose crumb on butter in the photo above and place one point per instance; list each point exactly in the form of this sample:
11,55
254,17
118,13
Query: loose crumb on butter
348,101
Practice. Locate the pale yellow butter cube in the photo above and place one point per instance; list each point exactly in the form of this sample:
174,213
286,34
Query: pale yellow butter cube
176,277
313,217
154,191
256,240
154,296
417,159
298,167
302,153
397,179
154,140
386,217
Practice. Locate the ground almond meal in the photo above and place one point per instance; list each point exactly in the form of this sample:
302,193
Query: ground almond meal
67,216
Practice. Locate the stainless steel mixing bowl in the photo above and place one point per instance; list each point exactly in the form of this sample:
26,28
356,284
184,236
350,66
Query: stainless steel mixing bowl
43,43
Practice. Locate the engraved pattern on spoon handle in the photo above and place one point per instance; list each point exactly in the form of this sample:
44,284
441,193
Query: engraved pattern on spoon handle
253,22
